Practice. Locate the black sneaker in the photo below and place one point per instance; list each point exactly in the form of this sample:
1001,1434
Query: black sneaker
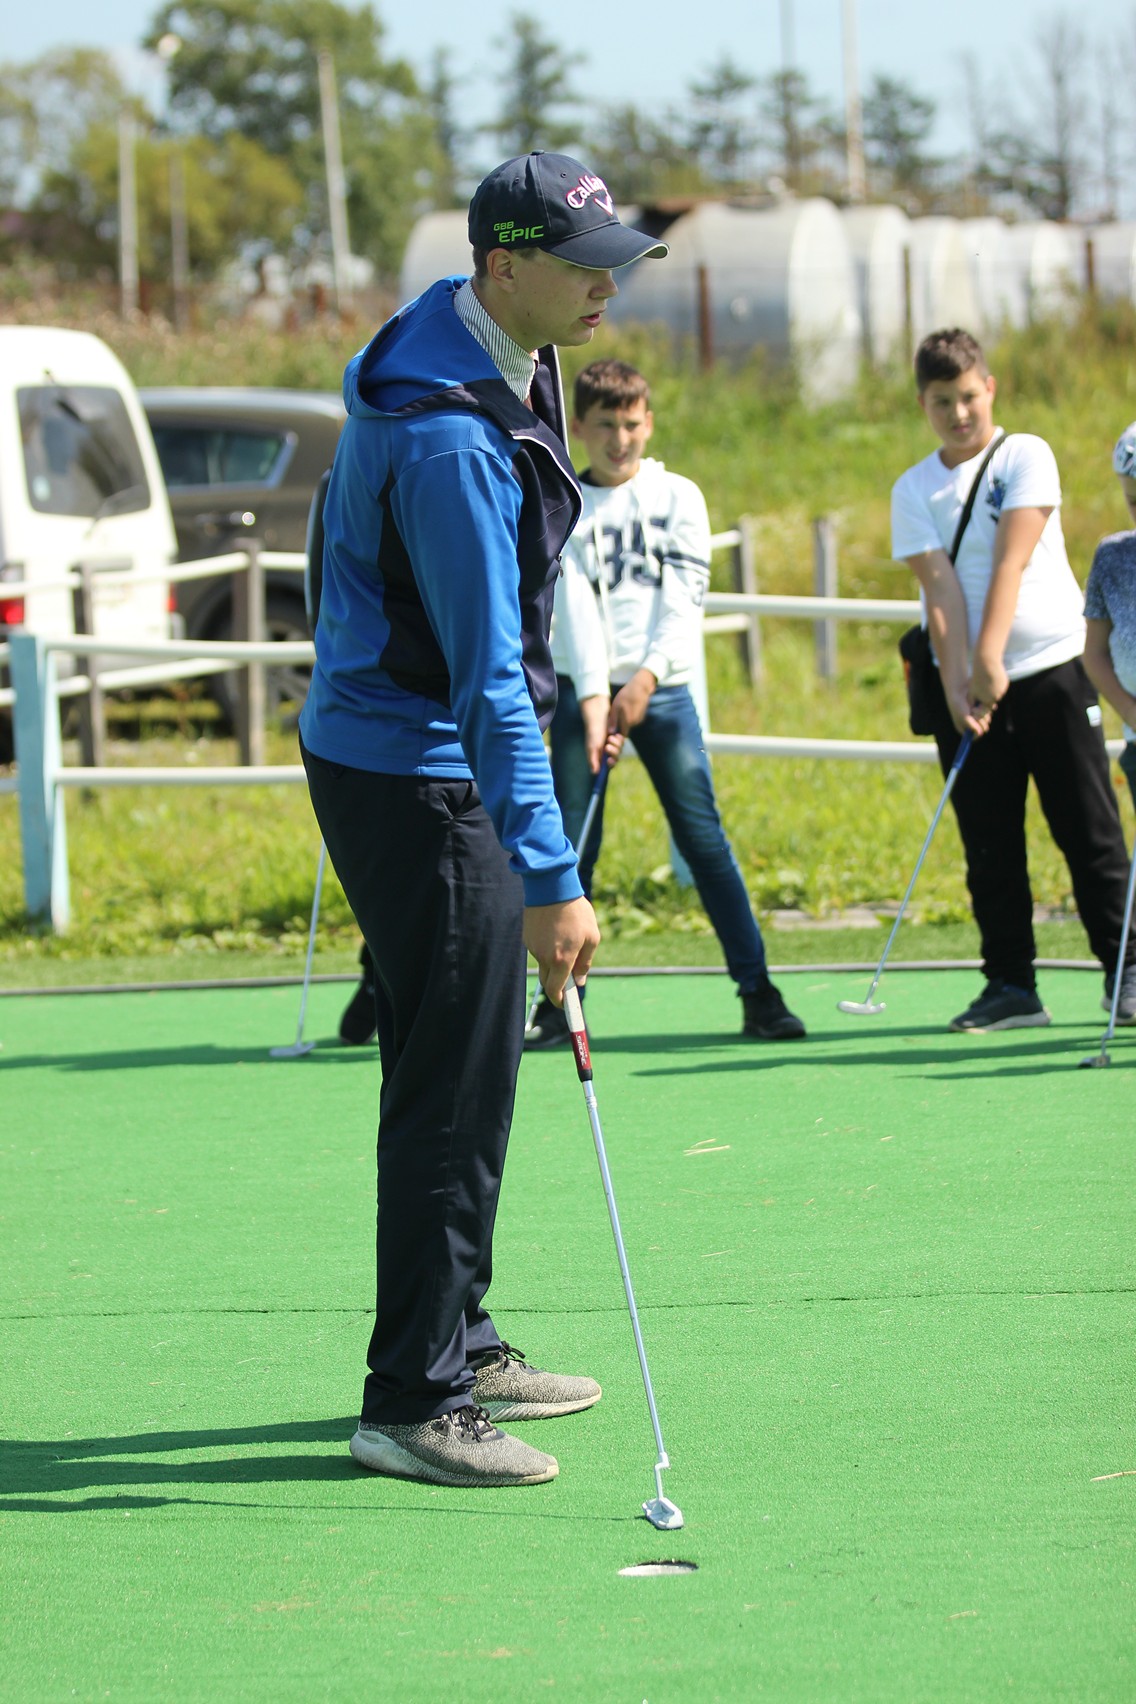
549,1027
768,1018
357,1026
1001,1006
1126,1005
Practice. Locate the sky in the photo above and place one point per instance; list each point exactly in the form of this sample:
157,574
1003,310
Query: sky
647,54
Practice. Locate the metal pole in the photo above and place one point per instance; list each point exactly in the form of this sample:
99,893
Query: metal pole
336,190
179,239
825,586
127,218
853,116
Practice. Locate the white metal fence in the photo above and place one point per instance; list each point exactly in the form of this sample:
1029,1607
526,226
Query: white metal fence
42,778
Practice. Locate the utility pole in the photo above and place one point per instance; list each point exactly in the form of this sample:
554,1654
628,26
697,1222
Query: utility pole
127,218
179,239
853,116
336,190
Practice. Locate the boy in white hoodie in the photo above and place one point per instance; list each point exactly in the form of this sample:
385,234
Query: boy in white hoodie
627,622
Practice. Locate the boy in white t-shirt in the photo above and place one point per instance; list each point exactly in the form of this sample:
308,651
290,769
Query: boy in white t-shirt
624,637
1007,628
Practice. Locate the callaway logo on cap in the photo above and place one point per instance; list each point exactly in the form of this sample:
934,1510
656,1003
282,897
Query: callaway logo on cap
552,202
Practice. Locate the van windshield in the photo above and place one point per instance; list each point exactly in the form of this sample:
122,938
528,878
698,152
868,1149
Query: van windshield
80,453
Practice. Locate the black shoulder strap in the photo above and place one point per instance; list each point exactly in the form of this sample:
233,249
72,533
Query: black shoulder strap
968,507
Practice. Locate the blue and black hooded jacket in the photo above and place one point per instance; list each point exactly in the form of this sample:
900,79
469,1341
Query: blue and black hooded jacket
448,505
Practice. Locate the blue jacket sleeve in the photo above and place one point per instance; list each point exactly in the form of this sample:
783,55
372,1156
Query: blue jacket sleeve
458,513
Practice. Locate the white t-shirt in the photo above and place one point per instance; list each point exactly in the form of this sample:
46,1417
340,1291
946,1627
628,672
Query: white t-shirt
634,574
926,503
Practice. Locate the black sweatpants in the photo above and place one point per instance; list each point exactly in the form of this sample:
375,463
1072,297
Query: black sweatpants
441,913
1044,728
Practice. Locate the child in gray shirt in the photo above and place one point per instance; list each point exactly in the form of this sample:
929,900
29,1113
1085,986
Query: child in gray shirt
1110,610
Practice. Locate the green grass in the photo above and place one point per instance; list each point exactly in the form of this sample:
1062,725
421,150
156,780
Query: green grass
223,878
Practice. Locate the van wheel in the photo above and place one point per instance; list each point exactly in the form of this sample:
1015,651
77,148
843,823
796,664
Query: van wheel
286,686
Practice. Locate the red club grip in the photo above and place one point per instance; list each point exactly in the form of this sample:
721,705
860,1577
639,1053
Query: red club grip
574,1012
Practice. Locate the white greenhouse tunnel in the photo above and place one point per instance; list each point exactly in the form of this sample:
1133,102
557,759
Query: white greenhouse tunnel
1050,262
823,288
996,275
879,239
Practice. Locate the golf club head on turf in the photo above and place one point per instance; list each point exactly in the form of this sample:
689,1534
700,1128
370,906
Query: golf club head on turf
1094,1061
862,1008
664,1514
295,1050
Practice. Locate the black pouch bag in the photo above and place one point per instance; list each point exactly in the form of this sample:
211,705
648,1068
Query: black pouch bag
926,700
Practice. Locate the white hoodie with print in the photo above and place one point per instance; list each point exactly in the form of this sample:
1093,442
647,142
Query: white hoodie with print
635,573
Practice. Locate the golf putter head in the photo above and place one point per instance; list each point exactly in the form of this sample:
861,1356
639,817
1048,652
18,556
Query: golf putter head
663,1514
862,1008
295,1050
1094,1061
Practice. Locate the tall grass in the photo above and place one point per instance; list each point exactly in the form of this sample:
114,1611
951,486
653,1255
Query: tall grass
200,870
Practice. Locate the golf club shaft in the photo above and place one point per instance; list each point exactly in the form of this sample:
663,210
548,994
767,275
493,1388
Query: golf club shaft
599,787
1123,950
575,1015
952,776
311,940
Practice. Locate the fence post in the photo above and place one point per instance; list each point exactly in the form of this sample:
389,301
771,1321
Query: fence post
825,586
745,580
249,624
92,708
43,826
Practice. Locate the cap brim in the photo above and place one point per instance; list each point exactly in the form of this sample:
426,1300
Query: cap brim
608,246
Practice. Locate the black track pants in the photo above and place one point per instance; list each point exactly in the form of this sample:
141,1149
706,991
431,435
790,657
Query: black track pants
441,913
1047,726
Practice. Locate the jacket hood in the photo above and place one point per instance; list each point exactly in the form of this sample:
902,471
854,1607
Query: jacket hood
424,349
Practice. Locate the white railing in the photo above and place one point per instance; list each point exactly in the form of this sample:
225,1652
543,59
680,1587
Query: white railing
42,778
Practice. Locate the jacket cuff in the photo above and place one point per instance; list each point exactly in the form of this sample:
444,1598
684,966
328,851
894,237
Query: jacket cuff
552,887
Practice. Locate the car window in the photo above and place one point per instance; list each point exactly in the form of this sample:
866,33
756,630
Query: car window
80,453
202,455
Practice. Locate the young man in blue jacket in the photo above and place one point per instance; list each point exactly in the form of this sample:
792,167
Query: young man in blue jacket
450,499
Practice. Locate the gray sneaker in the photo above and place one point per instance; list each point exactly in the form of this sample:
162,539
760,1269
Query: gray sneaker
1126,1005
460,1448
509,1389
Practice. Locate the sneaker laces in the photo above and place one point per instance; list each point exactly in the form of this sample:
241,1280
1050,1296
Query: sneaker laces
472,1422
501,1358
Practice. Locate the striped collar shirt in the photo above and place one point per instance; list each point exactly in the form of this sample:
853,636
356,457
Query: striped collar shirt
515,365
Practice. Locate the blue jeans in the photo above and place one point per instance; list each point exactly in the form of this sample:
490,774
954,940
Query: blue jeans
669,744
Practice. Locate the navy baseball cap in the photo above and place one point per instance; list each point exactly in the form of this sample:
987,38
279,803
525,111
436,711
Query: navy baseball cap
552,202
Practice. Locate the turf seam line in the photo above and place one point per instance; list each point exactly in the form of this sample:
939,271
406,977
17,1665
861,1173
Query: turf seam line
364,1310
215,983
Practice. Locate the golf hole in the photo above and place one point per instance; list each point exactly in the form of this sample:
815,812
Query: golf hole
672,1566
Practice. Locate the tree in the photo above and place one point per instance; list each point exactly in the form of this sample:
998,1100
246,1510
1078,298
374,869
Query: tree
721,133
47,106
1039,164
236,197
897,122
537,81
450,137
798,129
642,158
252,67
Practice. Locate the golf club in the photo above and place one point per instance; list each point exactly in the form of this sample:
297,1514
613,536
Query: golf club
866,1007
660,1511
1097,1059
599,786
297,1048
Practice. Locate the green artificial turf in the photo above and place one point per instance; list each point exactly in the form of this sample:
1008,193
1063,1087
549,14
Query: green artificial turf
885,1278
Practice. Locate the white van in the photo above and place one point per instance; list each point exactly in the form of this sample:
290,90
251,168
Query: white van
79,483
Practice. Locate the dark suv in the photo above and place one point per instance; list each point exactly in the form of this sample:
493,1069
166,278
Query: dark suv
242,462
